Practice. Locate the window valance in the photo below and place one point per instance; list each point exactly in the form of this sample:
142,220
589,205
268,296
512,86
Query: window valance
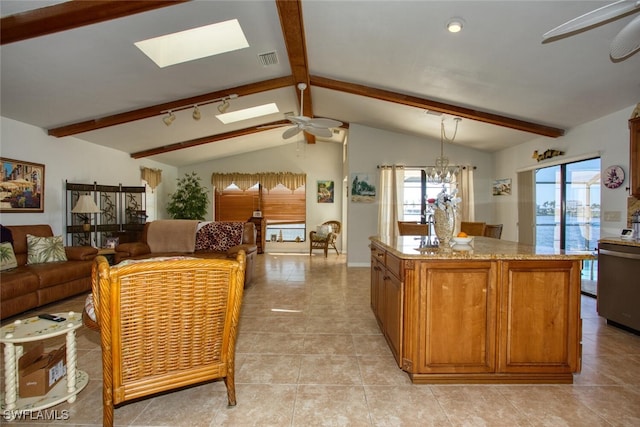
269,180
152,176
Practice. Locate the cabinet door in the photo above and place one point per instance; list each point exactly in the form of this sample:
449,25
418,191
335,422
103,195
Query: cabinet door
457,323
393,313
377,285
634,157
539,325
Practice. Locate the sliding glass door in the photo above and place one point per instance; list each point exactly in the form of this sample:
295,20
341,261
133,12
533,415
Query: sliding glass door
568,206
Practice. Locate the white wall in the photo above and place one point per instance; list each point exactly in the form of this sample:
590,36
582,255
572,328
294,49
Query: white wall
75,161
320,161
369,147
607,135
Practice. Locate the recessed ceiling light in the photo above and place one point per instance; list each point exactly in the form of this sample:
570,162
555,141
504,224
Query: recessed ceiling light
248,113
455,25
195,43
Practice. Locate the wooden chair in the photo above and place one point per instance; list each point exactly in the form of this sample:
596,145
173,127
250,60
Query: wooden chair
473,228
410,228
493,230
325,241
166,324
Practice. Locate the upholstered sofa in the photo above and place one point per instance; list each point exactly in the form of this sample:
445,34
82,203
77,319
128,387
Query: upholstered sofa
175,237
29,286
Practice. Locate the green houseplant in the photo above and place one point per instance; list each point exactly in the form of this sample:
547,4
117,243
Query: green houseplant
190,199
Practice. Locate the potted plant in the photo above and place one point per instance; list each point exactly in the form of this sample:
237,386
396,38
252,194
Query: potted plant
190,199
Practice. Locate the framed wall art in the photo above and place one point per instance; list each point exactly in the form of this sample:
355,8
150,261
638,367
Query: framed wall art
21,186
325,191
502,187
362,190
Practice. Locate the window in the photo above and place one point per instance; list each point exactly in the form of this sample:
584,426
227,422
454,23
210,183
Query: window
412,194
283,209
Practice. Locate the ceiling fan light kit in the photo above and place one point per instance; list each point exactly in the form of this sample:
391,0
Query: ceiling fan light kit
624,44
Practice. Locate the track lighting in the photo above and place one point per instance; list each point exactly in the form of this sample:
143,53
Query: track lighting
224,106
169,119
197,115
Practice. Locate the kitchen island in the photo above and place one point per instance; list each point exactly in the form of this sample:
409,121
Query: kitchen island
490,312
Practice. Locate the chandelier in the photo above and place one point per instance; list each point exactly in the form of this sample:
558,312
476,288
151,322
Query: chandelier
442,172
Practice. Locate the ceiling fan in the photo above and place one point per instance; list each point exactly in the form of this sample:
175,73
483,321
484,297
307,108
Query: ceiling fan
625,44
315,126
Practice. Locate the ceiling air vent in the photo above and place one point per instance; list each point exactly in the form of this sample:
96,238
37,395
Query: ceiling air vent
268,58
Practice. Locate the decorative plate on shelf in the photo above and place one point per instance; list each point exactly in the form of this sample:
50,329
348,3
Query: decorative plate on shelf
613,177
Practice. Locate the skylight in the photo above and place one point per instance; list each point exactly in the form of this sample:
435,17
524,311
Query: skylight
248,113
195,43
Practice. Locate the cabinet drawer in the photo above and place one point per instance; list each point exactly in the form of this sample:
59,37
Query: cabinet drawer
377,253
394,265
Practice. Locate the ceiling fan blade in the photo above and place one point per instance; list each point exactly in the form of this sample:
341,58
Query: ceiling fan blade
298,120
597,16
322,132
627,42
291,132
324,123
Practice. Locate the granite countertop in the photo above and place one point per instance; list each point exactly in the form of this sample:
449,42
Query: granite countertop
481,248
618,241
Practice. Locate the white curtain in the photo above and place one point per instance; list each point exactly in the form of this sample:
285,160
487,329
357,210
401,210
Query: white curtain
390,207
465,192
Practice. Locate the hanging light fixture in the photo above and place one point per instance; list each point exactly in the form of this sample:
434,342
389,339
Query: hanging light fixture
196,113
169,118
442,172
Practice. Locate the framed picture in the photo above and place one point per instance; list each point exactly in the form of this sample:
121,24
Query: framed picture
362,190
502,187
111,242
325,191
21,186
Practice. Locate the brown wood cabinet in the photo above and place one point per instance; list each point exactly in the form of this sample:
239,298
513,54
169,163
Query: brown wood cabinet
479,320
634,156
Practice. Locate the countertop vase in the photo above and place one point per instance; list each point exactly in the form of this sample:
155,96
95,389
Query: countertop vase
444,223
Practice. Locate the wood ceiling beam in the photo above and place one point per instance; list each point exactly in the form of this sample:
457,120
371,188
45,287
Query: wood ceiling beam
441,107
70,15
290,13
206,140
155,110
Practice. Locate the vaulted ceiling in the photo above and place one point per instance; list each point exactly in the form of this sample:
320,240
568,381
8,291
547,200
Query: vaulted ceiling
72,68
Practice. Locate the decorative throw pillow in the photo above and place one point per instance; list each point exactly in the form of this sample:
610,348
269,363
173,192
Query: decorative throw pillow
7,257
323,230
219,236
45,249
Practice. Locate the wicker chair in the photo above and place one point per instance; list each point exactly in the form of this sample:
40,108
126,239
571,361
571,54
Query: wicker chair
324,242
166,324
493,230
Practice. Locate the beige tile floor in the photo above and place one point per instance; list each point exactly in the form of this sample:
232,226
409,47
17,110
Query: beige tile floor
310,354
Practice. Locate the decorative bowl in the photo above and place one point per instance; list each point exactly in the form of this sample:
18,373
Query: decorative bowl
461,240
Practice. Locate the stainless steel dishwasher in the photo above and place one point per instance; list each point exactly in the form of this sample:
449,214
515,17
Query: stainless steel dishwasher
619,284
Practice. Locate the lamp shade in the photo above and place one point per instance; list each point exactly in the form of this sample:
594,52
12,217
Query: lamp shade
85,205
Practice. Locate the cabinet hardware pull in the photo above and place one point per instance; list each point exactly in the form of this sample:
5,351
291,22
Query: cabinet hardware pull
619,254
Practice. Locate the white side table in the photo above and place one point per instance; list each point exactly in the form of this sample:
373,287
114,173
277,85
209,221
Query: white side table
36,329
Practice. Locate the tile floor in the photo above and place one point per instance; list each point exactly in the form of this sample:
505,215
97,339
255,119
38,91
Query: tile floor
310,354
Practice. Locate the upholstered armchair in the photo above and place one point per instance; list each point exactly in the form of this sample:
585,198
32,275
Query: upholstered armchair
166,324
325,237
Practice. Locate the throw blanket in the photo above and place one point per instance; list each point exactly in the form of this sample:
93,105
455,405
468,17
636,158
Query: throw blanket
172,235
219,236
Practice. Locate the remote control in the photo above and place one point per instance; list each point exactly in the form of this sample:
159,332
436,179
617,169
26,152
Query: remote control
52,317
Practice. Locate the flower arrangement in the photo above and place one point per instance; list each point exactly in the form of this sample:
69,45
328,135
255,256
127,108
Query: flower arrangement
445,201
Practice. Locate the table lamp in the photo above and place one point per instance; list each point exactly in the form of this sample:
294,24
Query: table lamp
84,207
